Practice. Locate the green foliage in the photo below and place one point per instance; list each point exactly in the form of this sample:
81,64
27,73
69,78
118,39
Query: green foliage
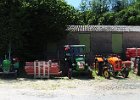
138,20
125,12
93,20
92,9
10,28
111,12
101,21
29,24
85,12
99,6
108,18
132,20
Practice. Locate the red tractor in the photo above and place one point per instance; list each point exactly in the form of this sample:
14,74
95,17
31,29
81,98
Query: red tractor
112,65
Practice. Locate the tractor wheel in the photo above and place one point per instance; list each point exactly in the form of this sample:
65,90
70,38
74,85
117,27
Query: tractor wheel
16,74
70,73
1,71
65,69
90,74
115,74
96,68
106,74
125,73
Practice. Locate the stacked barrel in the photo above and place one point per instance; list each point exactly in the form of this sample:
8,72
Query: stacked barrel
132,53
29,69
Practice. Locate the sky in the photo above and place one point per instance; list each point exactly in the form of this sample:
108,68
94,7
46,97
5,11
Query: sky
74,3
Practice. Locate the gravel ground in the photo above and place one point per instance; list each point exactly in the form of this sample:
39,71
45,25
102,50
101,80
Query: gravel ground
74,89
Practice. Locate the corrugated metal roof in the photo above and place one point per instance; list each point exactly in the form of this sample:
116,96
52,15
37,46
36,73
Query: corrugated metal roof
105,28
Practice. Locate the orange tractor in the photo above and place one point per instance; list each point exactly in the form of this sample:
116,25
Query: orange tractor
111,65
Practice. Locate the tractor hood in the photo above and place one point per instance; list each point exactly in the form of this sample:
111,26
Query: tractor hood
80,58
6,65
80,62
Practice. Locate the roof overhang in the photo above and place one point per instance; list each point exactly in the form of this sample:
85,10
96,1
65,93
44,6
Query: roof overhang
102,28
74,45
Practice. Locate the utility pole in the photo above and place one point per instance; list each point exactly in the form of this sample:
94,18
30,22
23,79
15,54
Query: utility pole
9,51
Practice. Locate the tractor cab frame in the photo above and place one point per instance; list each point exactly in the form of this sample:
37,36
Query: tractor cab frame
75,60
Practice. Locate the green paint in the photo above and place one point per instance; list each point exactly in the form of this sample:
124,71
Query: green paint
6,65
117,43
85,40
80,59
16,65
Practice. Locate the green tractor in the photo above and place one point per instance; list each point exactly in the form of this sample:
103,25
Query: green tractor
9,67
75,61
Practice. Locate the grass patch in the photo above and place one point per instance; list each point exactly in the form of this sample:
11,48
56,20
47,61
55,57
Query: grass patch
133,76
96,76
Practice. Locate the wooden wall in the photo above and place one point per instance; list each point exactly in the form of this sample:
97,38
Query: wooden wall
100,42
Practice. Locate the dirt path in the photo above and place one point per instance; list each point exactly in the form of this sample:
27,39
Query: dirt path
75,89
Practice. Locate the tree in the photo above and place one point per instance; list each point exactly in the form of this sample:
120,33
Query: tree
128,16
30,24
10,26
118,5
99,6
85,12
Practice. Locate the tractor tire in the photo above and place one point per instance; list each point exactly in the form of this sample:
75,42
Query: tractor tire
106,73
1,70
16,74
115,74
65,69
96,68
1,74
99,68
90,75
125,73
69,73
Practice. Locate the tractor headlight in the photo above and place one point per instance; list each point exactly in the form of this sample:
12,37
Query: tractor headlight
78,63
86,64
73,64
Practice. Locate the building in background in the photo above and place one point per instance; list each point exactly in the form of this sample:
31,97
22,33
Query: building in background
100,39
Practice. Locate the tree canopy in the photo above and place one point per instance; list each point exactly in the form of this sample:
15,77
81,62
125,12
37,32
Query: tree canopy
110,12
27,25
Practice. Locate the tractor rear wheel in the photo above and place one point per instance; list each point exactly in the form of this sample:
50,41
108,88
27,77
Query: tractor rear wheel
90,75
15,75
98,68
125,73
70,73
106,73
65,68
